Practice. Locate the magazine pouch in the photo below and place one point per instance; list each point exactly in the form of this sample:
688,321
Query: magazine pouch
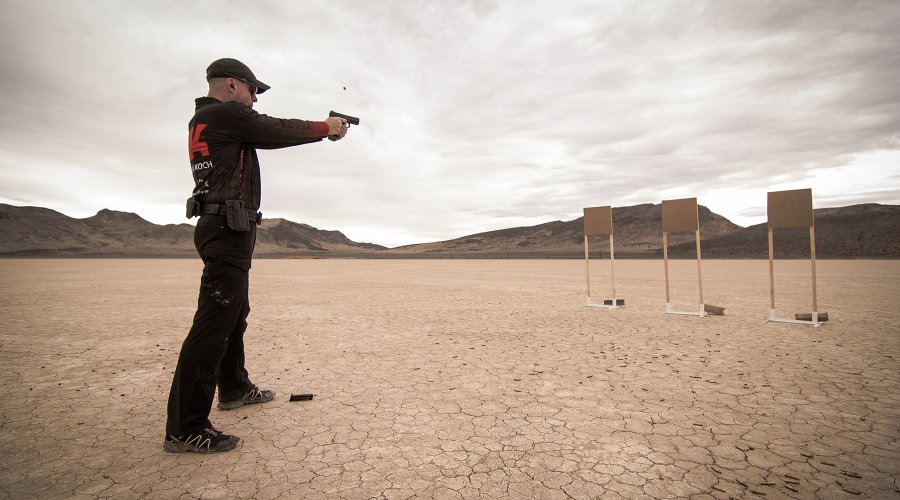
192,208
236,216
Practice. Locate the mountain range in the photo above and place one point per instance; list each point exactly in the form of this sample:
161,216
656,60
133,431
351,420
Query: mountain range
41,232
857,231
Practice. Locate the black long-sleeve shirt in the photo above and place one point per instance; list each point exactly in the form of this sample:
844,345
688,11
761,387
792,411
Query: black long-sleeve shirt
222,147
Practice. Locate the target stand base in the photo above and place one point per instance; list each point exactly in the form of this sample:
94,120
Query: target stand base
700,312
607,303
820,318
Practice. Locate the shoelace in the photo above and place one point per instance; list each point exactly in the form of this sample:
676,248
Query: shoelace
199,440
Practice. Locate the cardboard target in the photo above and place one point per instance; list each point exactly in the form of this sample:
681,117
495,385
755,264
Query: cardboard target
789,209
680,215
597,221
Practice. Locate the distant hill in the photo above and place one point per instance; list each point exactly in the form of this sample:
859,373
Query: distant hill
637,230
858,231
281,237
41,232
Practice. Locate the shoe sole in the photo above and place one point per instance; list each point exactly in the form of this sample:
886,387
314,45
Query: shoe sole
171,447
231,405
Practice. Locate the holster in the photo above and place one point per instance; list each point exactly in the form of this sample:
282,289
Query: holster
236,216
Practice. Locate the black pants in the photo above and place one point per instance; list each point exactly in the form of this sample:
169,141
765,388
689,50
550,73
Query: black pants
213,353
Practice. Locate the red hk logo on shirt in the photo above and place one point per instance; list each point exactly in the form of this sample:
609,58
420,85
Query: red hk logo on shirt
196,145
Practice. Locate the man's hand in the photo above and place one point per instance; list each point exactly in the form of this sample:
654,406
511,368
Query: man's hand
337,127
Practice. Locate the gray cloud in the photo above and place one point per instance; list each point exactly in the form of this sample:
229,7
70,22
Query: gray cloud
476,115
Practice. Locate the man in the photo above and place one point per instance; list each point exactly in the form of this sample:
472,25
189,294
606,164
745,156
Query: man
225,133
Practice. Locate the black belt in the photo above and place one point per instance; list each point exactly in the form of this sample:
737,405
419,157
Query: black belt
219,209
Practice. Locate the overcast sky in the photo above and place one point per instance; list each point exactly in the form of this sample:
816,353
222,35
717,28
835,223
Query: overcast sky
476,115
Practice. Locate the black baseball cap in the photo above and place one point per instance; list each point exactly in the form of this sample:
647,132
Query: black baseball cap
232,68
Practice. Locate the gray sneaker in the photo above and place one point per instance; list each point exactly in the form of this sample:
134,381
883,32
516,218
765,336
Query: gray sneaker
210,440
254,397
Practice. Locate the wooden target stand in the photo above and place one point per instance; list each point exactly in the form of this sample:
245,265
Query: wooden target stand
793,209
598,222
681,216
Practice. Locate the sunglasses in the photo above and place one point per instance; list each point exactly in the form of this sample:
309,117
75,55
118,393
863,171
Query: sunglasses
253,88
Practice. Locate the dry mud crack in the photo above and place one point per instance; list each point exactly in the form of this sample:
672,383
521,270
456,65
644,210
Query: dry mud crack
457,379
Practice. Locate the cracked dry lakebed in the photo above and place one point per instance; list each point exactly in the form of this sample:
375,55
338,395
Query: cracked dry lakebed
460,379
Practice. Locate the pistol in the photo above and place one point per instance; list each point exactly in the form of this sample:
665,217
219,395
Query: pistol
351,120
